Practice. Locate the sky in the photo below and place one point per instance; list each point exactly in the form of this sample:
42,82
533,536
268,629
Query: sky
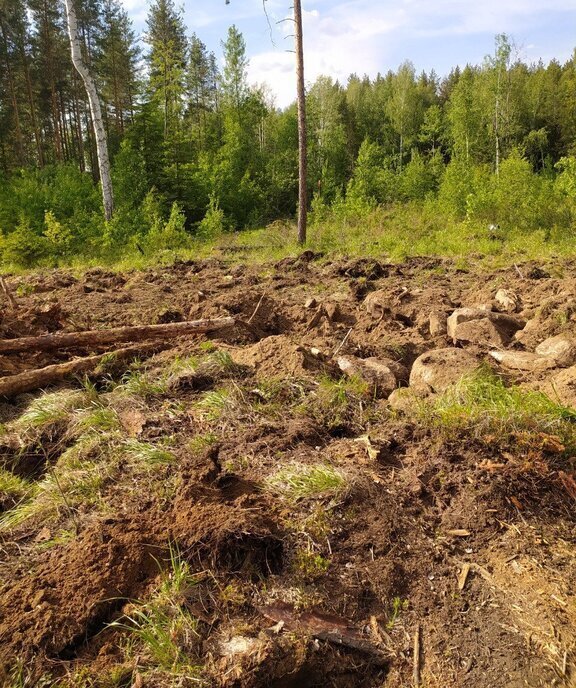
371,36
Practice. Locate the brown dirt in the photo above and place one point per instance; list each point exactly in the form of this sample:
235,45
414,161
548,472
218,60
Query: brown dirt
421,507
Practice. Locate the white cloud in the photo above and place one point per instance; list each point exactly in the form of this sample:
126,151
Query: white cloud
367,36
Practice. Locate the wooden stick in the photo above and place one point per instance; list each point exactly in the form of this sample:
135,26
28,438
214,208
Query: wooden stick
416,666
51,342
41,377
7,292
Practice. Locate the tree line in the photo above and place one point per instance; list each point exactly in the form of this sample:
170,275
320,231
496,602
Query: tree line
196,150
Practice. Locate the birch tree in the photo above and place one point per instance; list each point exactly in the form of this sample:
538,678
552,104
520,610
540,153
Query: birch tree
95,110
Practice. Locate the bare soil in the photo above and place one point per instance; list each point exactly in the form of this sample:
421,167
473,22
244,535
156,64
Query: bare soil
390,553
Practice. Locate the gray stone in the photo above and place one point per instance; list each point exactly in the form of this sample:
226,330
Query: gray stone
522,360
507,301
561,348
481,332
437,323
439,369
383,374
506,325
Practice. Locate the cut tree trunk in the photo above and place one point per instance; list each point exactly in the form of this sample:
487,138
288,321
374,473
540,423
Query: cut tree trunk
94,101
38,378
95,338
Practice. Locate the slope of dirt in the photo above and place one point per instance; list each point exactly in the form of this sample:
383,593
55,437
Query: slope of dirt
464,544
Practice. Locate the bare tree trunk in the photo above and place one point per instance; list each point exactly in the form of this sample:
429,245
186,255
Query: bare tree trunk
302,145
99,130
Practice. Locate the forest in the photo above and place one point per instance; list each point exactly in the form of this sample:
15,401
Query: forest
197,151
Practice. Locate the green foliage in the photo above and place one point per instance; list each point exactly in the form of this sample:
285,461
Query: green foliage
22,247
213,225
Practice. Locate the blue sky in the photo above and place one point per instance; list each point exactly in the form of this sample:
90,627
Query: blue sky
371,36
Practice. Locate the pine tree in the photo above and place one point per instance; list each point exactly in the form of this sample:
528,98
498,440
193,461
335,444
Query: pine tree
167,61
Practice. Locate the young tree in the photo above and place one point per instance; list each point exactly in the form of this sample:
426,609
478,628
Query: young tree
97,121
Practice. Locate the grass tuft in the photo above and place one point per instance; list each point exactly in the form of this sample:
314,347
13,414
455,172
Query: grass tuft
147,453
482,405
298,481
164,630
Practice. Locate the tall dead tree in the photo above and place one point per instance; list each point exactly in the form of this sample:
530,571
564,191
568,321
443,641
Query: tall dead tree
95,110
302,138
302,129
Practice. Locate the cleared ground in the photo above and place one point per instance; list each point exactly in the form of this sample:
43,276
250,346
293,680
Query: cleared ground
235,511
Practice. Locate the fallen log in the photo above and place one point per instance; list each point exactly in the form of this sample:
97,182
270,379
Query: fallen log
31,380
327,627
67,340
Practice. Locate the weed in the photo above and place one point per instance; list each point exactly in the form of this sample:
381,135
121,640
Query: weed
74,481
298,481
97,419
200,443
147,453
310,564
48,409
140,384
215,403
338,403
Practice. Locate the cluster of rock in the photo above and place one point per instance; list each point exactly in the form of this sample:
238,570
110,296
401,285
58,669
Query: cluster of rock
476,334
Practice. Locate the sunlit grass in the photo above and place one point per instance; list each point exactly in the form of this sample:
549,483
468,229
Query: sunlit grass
164,632
482,404
297,481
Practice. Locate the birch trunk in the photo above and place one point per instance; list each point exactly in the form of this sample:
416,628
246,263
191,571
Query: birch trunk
98,124
302,145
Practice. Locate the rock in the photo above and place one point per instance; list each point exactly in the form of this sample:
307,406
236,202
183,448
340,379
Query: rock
437,323
561,387
383,374
403,399
168,315
482,332
462,315
332,311
506,325
561,348
311,303
439,369
507,301
522,360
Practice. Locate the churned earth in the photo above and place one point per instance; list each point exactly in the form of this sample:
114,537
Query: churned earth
368,480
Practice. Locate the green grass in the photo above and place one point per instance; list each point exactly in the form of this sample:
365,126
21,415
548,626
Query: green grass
298,481
75,481
147,454
12,486
163,632
482,404
48,409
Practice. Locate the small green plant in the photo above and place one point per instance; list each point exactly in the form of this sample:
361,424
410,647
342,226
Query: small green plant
398,606
214,404
298,481
12,487
49,409
140,384
310,564
338,403
200,443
